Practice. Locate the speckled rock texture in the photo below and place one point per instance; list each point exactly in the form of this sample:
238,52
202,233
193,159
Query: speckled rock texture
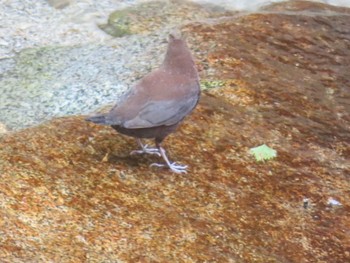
70,191
59,66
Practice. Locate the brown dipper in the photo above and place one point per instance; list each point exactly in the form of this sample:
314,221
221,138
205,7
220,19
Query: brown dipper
155,106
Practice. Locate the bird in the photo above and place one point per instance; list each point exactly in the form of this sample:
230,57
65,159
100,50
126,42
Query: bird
156,105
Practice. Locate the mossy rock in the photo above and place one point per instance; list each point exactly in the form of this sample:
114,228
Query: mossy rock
154,15
118,23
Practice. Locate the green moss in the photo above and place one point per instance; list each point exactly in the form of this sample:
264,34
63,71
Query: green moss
210,84
118,23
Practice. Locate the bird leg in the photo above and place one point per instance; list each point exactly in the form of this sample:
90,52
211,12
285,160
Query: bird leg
176,168
145,149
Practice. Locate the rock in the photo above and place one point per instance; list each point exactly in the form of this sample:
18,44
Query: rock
59,4
151,16
3,128
69,191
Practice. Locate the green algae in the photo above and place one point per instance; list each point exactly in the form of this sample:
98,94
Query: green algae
211,84
118,23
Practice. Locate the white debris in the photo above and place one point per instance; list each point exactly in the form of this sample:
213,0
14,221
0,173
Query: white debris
332,202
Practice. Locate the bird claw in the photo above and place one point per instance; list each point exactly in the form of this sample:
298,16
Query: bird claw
176,168
147,150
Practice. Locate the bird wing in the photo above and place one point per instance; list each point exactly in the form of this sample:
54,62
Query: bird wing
158,113
160,98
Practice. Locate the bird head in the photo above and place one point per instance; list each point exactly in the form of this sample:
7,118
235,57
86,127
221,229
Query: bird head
178,57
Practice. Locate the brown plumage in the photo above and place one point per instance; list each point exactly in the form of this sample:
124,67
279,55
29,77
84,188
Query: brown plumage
156,105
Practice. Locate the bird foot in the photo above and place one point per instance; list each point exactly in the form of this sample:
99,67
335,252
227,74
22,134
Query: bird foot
176,168
145,149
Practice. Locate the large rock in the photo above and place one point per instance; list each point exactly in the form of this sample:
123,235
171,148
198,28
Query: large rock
70,192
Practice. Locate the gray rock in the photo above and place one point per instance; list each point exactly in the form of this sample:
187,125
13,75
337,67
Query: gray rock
41,83
59,4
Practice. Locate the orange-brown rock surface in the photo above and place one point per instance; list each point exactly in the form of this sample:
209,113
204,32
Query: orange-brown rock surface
70,192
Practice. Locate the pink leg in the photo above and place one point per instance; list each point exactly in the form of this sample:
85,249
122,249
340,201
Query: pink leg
176,168
145,149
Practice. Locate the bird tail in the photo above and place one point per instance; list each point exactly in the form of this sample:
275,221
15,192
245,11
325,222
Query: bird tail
99,119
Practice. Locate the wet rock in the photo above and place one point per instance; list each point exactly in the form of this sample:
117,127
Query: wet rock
151,16
118,24
307,7
70,192
59,4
